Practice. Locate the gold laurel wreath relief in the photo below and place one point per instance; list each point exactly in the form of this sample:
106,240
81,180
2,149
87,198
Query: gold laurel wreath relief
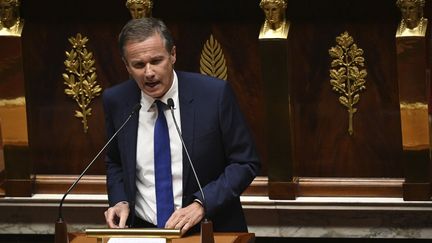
212,60
80,78
347,77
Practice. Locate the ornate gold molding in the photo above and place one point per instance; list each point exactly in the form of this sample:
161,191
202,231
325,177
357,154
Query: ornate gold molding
19,101
80,78
212,60
347,76
413,106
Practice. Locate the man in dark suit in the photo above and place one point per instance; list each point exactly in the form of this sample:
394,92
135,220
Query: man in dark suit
213,129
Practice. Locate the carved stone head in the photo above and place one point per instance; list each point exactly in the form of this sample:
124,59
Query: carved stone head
9,12
412,12
140,8
274,11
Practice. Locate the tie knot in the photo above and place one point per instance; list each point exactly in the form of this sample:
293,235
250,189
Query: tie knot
160,105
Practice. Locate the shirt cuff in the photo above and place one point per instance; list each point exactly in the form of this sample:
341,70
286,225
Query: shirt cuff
199,201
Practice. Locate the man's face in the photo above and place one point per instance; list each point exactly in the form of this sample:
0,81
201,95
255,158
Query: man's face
410,13
150,65
273,13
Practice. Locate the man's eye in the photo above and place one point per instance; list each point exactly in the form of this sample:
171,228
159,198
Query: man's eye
138,65
155,62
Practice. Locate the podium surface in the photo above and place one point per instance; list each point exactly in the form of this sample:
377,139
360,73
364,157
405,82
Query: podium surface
219,238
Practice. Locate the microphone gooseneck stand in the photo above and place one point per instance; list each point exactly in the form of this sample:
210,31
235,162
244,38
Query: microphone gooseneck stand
207,235
61,234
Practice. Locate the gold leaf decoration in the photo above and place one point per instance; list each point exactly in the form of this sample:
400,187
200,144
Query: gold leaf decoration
19,101
80,78
347,76
212,60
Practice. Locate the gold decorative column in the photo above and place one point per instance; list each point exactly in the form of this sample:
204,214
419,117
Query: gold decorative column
277,83
414,96
17,164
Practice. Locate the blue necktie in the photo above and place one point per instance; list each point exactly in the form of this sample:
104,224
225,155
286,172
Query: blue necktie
162,163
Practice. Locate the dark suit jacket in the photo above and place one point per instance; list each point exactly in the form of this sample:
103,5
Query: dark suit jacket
215,134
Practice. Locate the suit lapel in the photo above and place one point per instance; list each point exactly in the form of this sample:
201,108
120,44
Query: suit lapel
187,116
130,134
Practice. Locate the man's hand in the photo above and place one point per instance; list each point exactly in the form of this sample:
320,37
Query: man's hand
186,218
117,215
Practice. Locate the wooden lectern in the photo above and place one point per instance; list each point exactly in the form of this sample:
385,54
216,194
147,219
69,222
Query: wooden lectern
102,235
173,236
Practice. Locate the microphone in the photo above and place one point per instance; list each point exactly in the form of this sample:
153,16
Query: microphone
206,225
61,235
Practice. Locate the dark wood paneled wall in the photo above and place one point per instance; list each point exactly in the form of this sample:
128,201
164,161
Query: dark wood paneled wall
56,137
322,145
59,146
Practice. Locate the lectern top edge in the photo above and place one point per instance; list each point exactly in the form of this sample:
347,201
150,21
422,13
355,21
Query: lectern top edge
135,233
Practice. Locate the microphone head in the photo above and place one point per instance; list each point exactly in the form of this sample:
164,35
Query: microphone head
170,103
136,108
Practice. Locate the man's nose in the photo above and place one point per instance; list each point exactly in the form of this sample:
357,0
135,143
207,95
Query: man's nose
148,70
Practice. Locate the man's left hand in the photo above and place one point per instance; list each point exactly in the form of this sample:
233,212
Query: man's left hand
186,218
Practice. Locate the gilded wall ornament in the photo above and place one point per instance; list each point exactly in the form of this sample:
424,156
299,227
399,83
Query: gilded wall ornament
19,101
347,76
413,106
212,60
11,23
412,23
275,24
80,78
140,8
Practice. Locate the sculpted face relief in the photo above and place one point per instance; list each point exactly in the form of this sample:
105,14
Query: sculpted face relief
412,23
140,8
275,24
410,13
10,22
273,13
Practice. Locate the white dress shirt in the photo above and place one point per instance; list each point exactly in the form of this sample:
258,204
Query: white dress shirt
145,207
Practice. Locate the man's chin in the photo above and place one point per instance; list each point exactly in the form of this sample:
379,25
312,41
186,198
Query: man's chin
154,94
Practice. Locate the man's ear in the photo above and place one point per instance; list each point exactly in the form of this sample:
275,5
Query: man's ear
126,64
173,55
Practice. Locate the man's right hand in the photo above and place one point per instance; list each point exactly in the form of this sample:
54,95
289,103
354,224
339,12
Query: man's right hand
117,215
